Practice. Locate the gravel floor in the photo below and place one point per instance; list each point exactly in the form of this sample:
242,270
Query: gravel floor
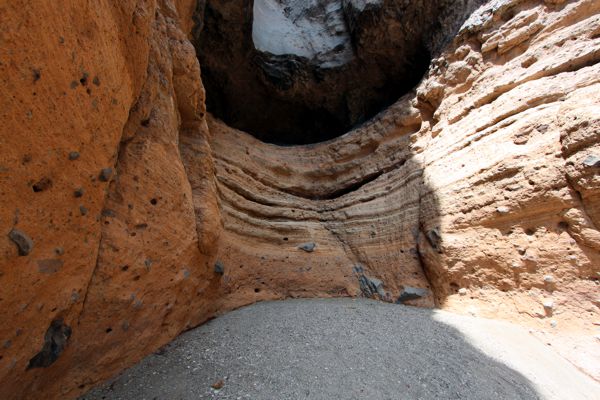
350,349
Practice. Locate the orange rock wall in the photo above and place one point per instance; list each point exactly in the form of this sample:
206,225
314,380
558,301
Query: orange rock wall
118,262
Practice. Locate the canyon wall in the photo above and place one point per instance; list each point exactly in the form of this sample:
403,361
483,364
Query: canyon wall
101,260
129,214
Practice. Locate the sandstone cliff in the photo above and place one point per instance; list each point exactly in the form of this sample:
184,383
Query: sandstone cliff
129,214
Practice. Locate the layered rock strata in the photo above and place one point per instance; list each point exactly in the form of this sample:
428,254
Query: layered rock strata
129,214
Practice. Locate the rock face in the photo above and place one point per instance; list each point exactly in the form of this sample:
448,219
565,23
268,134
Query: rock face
321,66
316,31
482,178
121,266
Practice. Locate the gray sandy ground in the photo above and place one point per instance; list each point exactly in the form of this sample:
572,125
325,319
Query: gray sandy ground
351,349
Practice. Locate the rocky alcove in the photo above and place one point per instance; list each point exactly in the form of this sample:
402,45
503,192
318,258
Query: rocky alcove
433,153
298,72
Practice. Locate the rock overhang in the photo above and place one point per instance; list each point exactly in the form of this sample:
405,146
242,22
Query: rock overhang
296,72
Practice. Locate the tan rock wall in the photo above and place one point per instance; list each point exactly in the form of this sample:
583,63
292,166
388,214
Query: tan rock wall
497,160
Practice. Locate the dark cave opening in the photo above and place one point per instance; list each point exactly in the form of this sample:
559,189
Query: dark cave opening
294,72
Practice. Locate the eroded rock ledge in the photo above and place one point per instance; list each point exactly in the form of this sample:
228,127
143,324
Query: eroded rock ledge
142,216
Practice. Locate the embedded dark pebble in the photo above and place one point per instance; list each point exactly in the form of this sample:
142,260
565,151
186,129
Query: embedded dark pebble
22,240
106,174
55,341
42,185
108,213
219,268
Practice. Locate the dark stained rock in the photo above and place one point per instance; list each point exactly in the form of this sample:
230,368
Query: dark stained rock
55,341
106,174
411,293
22,240
49,266
219,268
370,287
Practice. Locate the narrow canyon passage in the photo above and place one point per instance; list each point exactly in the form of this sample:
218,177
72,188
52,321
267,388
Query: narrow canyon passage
165,162
310,220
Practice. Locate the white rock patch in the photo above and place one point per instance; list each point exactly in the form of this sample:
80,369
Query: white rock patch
314,29
361,4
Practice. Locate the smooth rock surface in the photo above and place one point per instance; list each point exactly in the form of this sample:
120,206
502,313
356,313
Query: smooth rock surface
350,349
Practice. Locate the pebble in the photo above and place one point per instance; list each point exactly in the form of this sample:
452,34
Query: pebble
219,268
42,185
218,385
553,323
503,210
106,174
22,240
74,155
548,278
592,161
462,291
107,212
411,293
78,192
549,304
308,247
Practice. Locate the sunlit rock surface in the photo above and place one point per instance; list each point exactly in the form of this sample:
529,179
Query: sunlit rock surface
315,30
